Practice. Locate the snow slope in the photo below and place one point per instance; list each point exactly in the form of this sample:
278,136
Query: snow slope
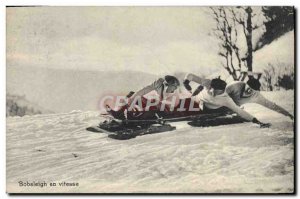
270,54
239,158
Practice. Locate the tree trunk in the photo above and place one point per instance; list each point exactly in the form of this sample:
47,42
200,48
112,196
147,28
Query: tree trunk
249,38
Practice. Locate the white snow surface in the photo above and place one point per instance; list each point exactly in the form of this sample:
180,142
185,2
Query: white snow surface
239,158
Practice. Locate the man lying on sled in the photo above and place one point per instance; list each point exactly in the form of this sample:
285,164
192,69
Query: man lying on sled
215,93
170,103
140,107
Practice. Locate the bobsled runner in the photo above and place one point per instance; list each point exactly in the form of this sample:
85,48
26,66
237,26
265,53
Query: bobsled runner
125,124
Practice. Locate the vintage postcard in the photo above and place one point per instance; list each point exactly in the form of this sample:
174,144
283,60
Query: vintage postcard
197,100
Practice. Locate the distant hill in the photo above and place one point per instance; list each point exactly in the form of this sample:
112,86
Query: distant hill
65,90
19,106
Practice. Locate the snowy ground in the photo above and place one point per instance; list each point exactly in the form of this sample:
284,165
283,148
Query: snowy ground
233,158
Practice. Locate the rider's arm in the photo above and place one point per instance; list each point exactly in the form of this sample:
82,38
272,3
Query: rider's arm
260,99
235,108
231,105
194,78
198,90
154,86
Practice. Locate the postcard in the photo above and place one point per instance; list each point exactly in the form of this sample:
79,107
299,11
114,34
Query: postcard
150,100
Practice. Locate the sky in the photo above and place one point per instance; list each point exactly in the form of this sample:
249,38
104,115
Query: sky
149,39
157,40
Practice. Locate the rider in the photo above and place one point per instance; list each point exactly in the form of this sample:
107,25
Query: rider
216,93
163,87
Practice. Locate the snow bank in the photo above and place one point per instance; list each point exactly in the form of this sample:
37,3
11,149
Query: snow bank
240,158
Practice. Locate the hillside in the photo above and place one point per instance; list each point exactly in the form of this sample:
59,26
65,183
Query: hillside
280,50
66,90
239,158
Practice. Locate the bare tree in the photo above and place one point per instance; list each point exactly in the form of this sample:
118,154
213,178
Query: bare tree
231,24
270,77
226,32
278,75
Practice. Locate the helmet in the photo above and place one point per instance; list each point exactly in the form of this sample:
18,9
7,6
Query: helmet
171,80
218,84
254,83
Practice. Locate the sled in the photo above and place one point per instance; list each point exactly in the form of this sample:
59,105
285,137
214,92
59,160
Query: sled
129,133
128,129
121,130
217,121
137,123
154,113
